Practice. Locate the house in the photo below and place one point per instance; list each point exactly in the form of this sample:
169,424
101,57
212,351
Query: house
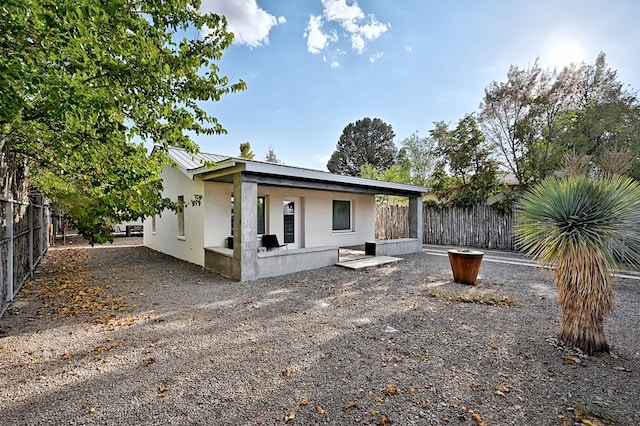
312,213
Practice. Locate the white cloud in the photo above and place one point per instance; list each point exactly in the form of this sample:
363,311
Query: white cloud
333,62
339,10
316,39
408,49
245,19
357,43
373,29
358,27
375,57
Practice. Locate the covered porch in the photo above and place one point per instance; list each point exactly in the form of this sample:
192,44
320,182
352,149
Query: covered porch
312,235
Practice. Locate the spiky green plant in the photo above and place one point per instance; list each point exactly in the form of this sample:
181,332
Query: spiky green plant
584,228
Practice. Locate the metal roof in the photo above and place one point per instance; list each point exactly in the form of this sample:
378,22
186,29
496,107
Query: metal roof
194,165
189,161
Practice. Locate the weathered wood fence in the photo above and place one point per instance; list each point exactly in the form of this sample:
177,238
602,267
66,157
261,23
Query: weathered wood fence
480,226
24,238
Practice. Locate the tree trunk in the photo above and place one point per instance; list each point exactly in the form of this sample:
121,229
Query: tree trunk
585,295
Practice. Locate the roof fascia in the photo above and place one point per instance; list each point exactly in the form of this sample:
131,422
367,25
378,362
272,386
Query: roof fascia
279,174
221,168
316,175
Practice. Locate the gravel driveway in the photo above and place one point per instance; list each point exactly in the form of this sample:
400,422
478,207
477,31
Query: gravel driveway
122,335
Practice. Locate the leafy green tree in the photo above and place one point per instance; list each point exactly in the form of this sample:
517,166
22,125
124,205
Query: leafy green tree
584,227
400,172
420,153
245,151
83,84
520,117
366,141
537,117
606,118
465,174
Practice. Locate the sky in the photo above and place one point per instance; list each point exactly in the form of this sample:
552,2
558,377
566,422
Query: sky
314,66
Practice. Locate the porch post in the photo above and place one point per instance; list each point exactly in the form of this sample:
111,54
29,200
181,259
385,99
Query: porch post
245,244
416,229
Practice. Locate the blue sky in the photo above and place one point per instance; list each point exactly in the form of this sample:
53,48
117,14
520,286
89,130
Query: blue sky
314,66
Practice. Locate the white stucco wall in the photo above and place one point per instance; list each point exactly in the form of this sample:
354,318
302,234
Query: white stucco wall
217,213
165,239
209,224
315,210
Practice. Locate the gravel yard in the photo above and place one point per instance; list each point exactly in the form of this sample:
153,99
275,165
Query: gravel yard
121,335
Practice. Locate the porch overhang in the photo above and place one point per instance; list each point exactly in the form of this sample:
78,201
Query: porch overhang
294,177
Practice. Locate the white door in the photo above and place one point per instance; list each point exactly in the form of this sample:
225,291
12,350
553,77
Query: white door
291,222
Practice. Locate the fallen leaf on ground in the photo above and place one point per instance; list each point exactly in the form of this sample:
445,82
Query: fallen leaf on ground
476,417
320,410
384,421
287,372
592,422
502,388
391,389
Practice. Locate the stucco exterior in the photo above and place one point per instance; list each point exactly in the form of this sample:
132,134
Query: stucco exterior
298,209
163,237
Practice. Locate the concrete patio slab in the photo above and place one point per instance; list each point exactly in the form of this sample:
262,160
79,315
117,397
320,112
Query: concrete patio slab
366,262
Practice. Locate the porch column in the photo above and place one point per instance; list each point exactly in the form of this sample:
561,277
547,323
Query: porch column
245,244
416,228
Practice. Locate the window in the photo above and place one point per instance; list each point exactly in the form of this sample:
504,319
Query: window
153,224
261,220
341,215
180,216
261,215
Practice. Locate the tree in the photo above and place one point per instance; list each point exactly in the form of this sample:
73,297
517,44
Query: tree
421,157
245,151
366,141
271,157
584,227
83,84
399,172
520,117
537,117
606,118
463,152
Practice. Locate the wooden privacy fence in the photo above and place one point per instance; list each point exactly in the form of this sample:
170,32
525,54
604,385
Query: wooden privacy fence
24,238
392,222
480,226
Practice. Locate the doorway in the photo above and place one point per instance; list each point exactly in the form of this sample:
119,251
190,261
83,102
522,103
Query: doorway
291,222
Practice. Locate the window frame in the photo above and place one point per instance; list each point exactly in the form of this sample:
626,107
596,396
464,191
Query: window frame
181,205
259,213
349,227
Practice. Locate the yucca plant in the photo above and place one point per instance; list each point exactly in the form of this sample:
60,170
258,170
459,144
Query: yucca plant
584,228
